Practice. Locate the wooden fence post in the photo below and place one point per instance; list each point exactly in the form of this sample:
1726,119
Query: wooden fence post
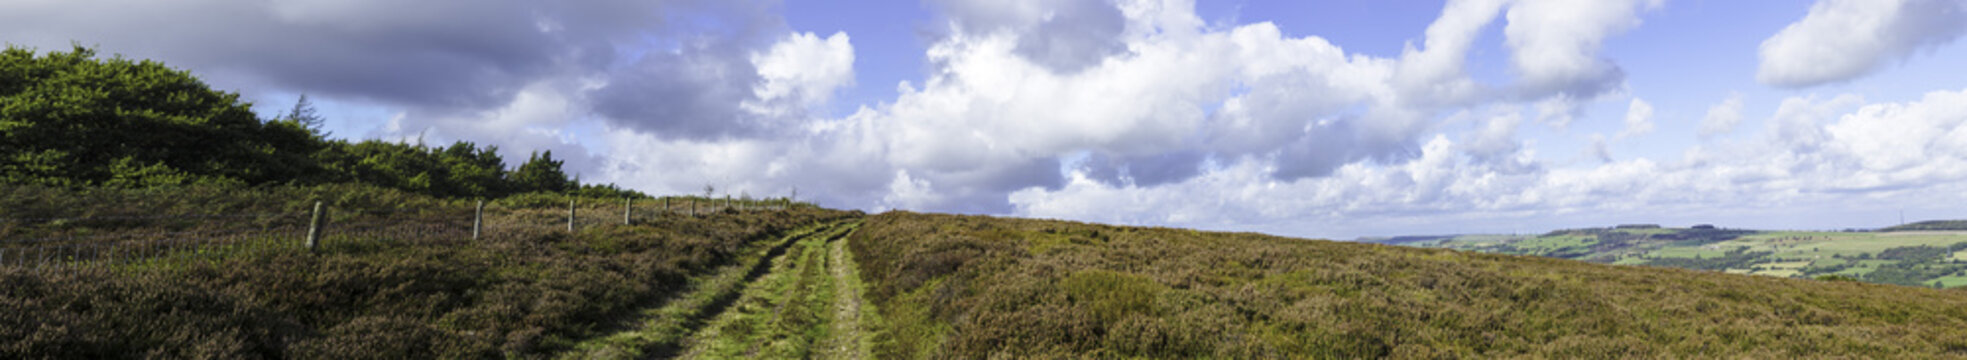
570,214
693,207
665,205
314,229
478,220
628,203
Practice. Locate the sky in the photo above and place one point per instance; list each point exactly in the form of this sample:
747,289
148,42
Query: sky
1330,119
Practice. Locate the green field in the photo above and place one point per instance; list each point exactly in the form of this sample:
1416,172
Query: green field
1801,254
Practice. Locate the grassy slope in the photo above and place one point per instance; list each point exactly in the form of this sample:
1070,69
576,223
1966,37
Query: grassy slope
975,287
525,292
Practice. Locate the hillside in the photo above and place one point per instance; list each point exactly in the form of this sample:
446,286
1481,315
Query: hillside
980,287
1912,258
220,272
1930,225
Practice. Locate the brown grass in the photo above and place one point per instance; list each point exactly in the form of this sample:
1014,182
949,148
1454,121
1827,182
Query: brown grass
980,287
527,292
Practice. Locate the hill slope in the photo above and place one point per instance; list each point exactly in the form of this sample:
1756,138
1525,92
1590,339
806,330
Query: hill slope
1930,225
977,287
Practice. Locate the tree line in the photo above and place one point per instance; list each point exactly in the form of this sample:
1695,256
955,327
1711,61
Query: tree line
72,119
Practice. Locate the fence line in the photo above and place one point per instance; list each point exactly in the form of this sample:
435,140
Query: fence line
214,236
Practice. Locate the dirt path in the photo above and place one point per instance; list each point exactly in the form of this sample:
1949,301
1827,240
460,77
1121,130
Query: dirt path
675,326
848,340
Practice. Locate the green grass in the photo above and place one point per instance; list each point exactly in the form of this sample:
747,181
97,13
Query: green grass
783,314
1551,243
1951,281
666,327
969,287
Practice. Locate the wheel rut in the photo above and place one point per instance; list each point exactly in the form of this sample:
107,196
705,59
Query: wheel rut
672,329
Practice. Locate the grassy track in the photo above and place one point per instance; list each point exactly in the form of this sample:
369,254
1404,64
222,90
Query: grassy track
663,331
806,307
853,318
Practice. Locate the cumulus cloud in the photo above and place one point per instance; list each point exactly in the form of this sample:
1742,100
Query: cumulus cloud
1843,39
1722,118
1896,141
999,114
804,68
1554,44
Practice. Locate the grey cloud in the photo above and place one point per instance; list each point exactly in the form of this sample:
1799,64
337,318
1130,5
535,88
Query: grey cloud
1326,147
1064,36
429,54
1144,170
1082,34
439,58
692,94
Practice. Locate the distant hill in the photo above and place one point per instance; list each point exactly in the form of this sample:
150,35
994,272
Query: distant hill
980,287
1931,225
1903,258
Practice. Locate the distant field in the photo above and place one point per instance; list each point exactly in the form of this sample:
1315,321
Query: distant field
1916,258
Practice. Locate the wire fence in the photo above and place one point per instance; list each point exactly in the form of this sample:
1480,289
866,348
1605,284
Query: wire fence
55,243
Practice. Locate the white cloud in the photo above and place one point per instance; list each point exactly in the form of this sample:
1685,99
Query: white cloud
1184,100
1928,133
1799,121
1894,153
1843,39
1722,118
1638,120
1555,43
804,68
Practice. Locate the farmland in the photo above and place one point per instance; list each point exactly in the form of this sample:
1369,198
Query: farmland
1911,257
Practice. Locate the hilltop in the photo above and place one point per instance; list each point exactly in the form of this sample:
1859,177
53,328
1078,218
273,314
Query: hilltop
1930,225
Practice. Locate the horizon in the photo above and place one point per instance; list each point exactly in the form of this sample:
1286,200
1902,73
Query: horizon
1336,120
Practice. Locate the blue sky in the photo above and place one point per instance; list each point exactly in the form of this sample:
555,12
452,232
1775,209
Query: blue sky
1314,118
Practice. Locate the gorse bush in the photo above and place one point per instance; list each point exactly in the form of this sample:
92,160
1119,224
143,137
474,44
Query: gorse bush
978,287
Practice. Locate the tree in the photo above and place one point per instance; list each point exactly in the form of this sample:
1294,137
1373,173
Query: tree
540,173
303,114
71,119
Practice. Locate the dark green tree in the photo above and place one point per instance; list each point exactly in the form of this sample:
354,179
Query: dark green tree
70,119
541,172
303,114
